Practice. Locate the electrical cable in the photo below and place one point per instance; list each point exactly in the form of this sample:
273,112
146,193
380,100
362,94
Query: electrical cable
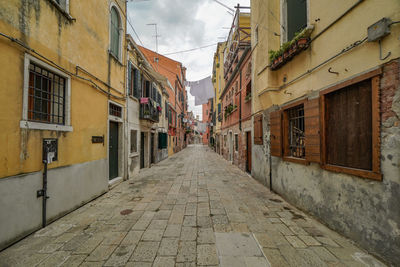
15,40
189,50
127,19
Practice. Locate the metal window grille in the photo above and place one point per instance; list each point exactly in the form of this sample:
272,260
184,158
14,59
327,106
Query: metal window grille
296,132
115,110
46,96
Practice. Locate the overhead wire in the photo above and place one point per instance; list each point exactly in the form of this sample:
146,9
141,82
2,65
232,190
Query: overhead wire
130,24
32,51
189,50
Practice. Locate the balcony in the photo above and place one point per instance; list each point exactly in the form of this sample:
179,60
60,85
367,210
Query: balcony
148,110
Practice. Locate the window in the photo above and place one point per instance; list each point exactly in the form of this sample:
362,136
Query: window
294,132
350,141
166,109
46,96
133,141
115,110
115,33
134,83
258,130
295,18
236,142
340,130
162,140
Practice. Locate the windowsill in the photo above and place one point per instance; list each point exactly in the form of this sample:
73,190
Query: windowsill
296,160
356,172
115,58
31,125
134,98
65,13
134,154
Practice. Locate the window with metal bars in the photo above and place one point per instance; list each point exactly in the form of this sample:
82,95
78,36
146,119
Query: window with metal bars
46,96
115,110
296,135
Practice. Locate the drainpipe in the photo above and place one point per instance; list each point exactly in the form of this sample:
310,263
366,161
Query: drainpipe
240,101
270,172
43,192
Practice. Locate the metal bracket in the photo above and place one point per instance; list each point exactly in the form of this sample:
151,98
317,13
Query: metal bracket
380,52
40,193
331,71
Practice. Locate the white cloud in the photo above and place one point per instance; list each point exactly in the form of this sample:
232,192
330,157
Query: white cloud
183,24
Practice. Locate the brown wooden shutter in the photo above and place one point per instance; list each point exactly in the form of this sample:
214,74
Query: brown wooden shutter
312,130
258,130
276,133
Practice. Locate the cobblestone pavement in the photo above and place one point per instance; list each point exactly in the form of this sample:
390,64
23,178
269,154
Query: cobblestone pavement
192,209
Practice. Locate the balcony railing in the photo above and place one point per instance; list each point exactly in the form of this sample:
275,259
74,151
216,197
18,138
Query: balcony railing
148,110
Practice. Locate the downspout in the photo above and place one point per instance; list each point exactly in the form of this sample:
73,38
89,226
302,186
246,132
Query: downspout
45,197
240,101
43,192
126,119
270,172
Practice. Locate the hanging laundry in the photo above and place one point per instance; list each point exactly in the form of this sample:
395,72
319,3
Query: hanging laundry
202,90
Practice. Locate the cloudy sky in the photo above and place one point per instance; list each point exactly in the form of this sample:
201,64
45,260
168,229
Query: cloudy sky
183,25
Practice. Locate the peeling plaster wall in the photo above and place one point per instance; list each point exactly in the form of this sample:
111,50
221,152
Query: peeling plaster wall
364,210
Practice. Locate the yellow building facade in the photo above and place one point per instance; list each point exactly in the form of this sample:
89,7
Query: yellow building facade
348,45
63,76
219,85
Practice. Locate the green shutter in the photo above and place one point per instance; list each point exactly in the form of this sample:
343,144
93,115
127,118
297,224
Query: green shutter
138,83
114,32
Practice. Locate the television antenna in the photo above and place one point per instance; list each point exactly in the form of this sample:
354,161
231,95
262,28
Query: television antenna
156,36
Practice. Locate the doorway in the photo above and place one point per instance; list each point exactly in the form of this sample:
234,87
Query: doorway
230,146
151,148
248,149
113,150
142,150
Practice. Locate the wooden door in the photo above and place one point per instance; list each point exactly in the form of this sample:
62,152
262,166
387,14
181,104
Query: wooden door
113,150
248,147
142,150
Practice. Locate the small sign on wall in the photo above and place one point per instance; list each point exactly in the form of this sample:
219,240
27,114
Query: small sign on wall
98,139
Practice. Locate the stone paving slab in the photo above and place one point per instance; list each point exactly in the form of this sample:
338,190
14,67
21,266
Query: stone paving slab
192,209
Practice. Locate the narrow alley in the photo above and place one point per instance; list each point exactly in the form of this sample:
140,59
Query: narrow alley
193,208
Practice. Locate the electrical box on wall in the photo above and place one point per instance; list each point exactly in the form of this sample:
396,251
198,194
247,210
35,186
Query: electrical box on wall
379,29
50,150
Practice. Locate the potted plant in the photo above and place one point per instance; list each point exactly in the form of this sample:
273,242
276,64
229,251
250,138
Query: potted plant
302,42
285,50
272,56
293,48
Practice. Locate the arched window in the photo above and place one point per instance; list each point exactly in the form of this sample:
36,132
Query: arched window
115,32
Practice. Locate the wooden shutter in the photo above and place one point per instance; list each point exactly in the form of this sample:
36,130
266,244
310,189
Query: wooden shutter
129,78
138,84
276,133
312,130
258,131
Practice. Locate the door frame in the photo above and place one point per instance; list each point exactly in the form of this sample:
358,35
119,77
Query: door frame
121,144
